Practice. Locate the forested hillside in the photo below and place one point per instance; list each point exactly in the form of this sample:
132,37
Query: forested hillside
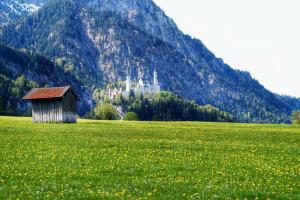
21,70
104,40
167,106
12,10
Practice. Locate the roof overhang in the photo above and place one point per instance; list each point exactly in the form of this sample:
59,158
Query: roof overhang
48,93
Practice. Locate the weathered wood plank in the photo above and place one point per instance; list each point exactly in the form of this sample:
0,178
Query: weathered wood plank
55,111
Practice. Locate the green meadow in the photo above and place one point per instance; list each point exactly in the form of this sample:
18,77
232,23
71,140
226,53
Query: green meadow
148,160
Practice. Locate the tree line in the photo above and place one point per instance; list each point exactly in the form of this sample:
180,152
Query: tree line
165,106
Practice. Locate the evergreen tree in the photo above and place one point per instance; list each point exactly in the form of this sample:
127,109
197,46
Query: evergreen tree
167,106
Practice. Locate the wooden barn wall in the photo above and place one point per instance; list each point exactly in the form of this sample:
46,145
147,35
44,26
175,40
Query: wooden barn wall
47,111
69,108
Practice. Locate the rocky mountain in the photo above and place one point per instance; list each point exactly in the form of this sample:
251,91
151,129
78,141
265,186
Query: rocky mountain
12,10
20,70
104,40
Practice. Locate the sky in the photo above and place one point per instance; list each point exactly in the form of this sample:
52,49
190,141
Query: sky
259,36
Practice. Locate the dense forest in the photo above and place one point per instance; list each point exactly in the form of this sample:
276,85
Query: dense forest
11,93
21,70
165,106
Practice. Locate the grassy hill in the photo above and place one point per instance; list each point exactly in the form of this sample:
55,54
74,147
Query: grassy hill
140,160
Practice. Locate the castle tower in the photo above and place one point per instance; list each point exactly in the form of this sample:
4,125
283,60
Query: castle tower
156,85
141,83
109,93
155,78
140,88
128,84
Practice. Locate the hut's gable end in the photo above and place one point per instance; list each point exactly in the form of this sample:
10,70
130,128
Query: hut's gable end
47,111
69,107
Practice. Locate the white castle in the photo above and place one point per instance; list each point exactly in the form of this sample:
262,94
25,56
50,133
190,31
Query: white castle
139,88
142,87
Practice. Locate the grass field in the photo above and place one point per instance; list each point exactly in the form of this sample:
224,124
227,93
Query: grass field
131,160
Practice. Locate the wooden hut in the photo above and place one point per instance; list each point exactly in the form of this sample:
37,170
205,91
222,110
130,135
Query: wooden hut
53,105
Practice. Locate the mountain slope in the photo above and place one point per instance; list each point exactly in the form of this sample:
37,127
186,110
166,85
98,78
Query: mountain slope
21,70
107,39
12,10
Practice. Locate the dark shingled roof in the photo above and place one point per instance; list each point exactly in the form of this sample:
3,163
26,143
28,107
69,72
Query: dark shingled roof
46,93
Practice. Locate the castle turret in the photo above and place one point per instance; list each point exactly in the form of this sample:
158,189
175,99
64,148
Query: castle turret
155,78
128,84
156,85
141,83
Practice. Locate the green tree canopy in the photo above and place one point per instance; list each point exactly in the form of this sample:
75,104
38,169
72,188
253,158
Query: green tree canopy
167,106
104,111
296,117
131,116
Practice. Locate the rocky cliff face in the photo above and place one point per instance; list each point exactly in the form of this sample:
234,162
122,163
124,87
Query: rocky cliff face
104,40
11,10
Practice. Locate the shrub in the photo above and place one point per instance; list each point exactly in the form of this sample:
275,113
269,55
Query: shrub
104,112
131,116
296,117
